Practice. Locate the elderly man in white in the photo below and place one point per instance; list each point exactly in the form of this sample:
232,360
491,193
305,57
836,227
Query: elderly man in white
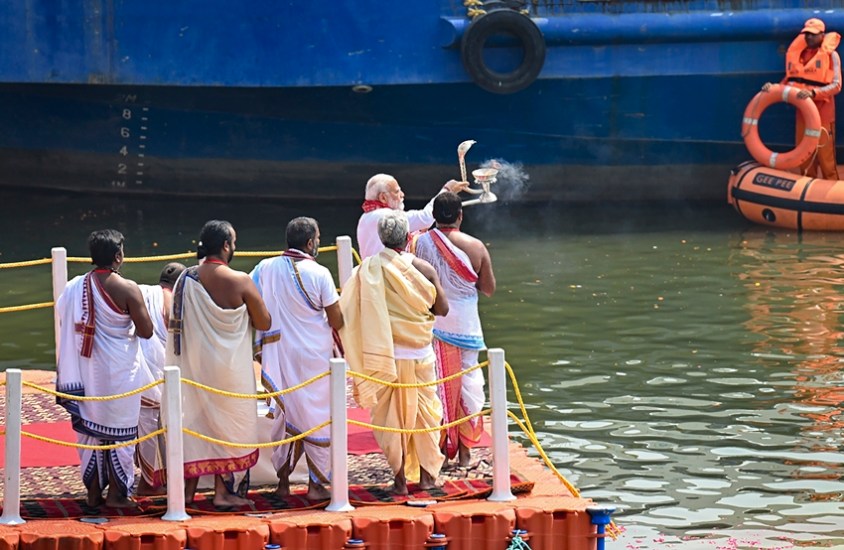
384,195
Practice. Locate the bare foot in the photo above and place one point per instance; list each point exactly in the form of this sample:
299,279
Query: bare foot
146,490
399,485
95,494
227,499
283,474
426,480
283,489
190,489
120,502
463,455
317,491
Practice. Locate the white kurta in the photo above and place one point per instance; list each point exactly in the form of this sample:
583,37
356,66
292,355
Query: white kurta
369,243
213,346
297,347
99,356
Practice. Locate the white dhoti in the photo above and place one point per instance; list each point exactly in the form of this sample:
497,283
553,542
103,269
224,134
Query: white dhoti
150,454
297,347
99,356
213,346
457,338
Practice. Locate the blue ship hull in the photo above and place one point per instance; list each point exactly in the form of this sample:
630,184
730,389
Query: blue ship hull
635,100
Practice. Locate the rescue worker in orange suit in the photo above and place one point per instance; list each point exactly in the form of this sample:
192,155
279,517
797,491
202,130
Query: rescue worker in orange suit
812,64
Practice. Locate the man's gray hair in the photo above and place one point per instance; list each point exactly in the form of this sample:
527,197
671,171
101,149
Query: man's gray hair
393,229
376,185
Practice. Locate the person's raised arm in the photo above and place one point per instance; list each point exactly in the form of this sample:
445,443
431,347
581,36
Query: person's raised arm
138,310
424,218
258,313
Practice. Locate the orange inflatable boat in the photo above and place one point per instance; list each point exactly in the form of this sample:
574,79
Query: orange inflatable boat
764,192
783,199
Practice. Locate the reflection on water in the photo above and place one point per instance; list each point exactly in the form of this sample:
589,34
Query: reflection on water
677,363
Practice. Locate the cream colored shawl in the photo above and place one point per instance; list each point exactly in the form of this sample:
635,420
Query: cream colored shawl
386,301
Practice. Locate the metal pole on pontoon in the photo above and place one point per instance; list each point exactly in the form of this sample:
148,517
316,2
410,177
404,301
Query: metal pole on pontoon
172,413
339,440
345,262
59,256
500,437
12,478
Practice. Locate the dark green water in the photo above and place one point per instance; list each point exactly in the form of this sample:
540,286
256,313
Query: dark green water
677,362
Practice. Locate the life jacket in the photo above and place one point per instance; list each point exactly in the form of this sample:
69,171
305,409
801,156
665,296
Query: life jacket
818,71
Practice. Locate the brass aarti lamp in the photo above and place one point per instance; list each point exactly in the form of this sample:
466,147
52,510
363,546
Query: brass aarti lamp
484,177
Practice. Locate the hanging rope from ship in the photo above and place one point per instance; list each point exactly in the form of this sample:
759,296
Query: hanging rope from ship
490,20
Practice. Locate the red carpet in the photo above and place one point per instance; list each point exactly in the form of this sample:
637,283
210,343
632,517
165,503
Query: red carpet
267,501
38,454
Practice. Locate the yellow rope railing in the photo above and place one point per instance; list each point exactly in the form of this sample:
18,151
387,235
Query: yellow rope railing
11,309
92,397
177,256
26,263
138,259
94,447
236,395
437,428
448,378
165,257
257,445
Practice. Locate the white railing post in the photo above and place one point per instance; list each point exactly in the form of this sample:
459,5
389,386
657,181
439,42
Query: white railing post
339,440
12,477
59,256
500,437
345,262
171,410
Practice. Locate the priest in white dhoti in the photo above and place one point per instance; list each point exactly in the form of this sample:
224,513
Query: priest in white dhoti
101,317
150,454
210,339
465,269
303,302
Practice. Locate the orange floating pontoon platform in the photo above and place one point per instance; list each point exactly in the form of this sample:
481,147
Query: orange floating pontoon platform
778,198
550,518
545,514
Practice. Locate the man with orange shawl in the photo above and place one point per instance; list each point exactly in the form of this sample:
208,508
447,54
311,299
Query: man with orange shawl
388,309
464,267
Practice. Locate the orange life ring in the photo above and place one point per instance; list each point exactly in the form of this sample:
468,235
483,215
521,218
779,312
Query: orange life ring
750,127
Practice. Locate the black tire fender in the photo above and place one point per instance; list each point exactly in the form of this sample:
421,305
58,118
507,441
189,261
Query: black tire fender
503,21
